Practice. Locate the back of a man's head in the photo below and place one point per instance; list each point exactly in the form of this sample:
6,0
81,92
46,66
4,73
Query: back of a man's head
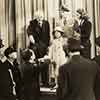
73,45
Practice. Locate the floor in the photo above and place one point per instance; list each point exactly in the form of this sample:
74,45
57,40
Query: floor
48,94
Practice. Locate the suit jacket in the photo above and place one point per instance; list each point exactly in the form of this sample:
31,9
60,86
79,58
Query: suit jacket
76,79
30,78
97,83
97,59
41,36
6,84
85,31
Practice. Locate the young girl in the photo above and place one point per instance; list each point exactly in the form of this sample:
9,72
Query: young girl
56,53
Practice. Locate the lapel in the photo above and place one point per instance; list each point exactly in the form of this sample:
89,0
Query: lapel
82,22
9,65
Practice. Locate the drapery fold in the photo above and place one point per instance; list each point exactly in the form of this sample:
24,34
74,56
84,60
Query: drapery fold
16,14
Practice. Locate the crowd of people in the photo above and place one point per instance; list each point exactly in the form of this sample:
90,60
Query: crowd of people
63,64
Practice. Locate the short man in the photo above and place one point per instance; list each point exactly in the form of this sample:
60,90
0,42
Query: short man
7,80
76,77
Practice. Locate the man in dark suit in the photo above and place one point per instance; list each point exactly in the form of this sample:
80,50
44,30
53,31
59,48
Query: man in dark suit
97,83
39,36
1,64
77,77
97,59
7,82
30,76
85,32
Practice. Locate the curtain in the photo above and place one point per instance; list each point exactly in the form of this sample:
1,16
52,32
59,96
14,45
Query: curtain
25,10
97,17
16,14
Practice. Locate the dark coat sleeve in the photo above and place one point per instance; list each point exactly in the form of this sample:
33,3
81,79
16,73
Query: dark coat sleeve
32,27
46,32
62,90
86,30
97,84
6,84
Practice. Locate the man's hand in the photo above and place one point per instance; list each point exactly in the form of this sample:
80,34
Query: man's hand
31,38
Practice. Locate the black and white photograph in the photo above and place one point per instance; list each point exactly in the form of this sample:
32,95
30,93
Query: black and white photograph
49,49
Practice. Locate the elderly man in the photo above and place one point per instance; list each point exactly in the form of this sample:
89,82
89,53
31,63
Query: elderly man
38,32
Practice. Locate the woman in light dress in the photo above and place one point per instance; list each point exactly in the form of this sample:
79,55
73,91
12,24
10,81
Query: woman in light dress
56,53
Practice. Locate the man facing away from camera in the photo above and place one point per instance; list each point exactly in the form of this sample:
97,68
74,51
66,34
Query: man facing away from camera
77,77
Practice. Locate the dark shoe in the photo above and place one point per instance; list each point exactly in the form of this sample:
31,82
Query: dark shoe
52,84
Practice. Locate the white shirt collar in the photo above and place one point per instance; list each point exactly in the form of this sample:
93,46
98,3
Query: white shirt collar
10,62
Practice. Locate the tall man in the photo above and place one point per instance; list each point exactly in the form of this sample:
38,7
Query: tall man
38,32
85,31
77,77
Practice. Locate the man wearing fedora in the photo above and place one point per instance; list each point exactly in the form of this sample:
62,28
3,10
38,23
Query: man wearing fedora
77,77
7,90
97,59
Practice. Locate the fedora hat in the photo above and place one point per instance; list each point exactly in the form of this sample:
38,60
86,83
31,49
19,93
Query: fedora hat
9,50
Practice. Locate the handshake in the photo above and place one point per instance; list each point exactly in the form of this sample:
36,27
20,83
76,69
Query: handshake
45,59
